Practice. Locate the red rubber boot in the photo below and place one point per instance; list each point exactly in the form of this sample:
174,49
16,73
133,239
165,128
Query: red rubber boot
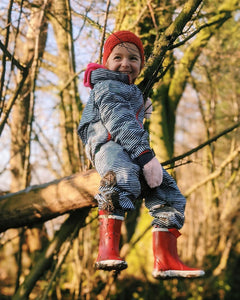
108,252
166,261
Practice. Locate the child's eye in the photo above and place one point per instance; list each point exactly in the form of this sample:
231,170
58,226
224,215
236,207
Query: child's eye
117,57
135,58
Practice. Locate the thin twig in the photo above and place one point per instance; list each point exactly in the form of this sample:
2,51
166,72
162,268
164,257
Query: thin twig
152,16
104,30
216,173
11,102
197,31
12,58
4,54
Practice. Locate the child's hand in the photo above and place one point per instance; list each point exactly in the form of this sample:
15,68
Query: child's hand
153,173
148,108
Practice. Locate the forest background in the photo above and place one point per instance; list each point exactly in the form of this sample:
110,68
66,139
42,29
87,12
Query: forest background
48,217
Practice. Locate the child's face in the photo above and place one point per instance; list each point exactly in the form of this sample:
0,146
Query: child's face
125,58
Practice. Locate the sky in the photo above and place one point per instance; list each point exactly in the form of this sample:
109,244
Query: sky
86,46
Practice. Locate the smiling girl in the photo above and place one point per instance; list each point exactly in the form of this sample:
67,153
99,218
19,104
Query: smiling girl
118,146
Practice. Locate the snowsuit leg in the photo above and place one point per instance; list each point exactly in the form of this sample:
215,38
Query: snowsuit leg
166,204
120,185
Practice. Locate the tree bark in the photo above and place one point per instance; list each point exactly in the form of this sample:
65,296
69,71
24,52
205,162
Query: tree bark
70,105
23,110
44,202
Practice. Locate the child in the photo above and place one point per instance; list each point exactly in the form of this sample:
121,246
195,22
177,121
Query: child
116,143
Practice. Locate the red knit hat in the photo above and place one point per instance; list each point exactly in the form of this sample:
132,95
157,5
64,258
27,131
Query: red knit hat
120,37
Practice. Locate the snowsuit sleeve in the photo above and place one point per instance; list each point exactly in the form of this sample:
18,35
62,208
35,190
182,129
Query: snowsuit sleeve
120,119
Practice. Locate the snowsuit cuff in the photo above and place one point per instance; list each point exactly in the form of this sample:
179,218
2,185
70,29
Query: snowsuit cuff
144,158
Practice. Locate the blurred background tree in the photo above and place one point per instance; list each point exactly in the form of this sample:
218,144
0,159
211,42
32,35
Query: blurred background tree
192,76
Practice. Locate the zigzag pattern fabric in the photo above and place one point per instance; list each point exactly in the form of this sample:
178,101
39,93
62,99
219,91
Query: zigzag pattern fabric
166,204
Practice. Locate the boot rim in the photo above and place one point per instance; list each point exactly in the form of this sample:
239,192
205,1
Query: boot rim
111,264
155,229
111,217
178,273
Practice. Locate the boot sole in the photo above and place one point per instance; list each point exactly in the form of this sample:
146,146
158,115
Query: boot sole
109,265
177,274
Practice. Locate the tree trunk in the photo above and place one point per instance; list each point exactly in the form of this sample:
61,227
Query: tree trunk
44,202
23,110
70,102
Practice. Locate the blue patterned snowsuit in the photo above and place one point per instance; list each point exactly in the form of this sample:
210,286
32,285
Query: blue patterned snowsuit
115,141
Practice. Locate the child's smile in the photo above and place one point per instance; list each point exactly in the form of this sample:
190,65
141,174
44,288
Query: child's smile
125,58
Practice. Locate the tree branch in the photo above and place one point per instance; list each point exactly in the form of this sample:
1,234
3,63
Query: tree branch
13,59
11,102
155,61
104,31
47,201
208,142
215,22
